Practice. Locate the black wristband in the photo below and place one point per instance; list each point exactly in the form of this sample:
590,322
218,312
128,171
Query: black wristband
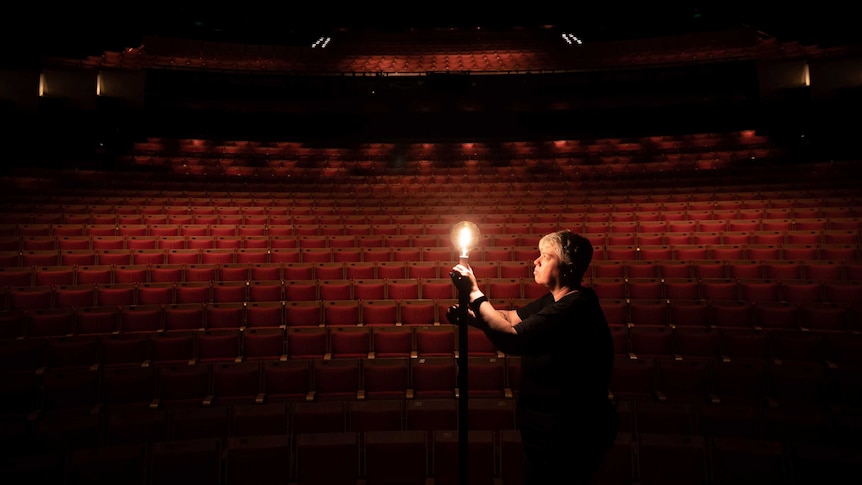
475,304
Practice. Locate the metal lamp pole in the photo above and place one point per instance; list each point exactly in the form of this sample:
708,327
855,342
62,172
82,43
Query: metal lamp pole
464,235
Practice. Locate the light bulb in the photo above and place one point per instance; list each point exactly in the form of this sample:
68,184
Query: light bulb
465,236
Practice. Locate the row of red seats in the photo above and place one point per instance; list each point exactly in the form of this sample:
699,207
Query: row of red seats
411,455
595,159
229,444
805,316
604,168
159,273
47,274
367,315
137,423
171,291
177,378
369,196
757,290
177,383
758,243
517,149
496,219
138,344
669,269
670,142
825,345
832,346
424,160
788,420
192,316
390,456
775,230
731,205
745,186
46,224
167,250
256,255
721,192
159,251
383,206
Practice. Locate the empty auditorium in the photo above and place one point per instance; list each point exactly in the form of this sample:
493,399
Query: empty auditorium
227,239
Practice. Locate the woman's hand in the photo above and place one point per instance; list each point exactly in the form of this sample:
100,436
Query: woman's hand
467,281
467,272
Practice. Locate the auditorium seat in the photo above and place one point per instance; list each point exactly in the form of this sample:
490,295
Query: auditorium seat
306,342
432,414
258,459
644,288
341,313
671,458
183,316
748,460
386,378
378,312
418,312
435,340
349,340
441,288
218,345
510,452
75,296
650,341
684,380
170,461
388,269
673,269
842,292
272,314
824,316
633,379
402,289
337,379
648,313
328,270
392,341
608,270
434,377
49,322
315,452
445,457
400,456
360,270
207,422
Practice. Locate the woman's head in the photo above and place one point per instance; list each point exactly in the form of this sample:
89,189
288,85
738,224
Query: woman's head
573,254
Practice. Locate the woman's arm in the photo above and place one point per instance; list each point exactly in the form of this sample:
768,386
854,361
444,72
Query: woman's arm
498,320
495,320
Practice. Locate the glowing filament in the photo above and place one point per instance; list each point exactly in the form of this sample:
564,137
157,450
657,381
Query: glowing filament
465,236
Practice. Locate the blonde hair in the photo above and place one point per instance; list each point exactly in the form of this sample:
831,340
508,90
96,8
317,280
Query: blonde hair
573,251
553,243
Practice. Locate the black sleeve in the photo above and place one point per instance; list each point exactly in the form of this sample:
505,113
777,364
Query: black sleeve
514,344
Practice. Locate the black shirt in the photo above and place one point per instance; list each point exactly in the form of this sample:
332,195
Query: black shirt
566,351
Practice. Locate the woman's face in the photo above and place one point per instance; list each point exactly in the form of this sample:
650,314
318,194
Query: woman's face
546,269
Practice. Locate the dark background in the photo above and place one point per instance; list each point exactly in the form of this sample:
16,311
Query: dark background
183,105
80,29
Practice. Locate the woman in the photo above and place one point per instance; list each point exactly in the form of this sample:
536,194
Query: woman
566,420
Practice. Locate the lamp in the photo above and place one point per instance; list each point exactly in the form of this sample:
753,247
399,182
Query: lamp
465,237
